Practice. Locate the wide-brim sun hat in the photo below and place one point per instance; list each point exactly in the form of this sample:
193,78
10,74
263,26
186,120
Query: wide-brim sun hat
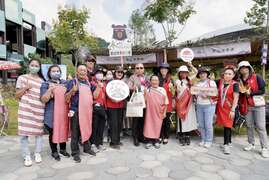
182,68
203,70
245,64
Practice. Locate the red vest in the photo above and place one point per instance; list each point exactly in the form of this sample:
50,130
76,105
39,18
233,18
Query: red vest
244,100
169,95
101,99
223,110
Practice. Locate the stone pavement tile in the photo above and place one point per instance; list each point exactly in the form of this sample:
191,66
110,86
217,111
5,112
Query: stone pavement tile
204,160
207,175
81,176
211,168
161,172
142,172
180,175
240,162
147,157
46,172
26,170
194,178
163,157
254,177
150,164
8,176
229,175
192,166
96,160
118,170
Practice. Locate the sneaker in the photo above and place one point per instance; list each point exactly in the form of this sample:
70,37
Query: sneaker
38,158
101,148
77,159
56,156
202,143
265,153
64,153
208,144
165,141
226,149
249,147
28,161
94,148
157,145
91,152
230,145
148,145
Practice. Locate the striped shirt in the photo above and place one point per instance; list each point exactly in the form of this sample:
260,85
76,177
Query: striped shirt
31,109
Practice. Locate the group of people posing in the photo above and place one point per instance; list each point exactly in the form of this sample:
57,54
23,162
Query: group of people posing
80,107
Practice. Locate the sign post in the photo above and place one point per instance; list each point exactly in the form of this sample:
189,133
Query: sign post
120,45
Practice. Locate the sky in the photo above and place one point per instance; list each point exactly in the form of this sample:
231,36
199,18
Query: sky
211,15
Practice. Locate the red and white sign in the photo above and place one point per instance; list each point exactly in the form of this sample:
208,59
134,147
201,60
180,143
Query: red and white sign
186,55
8,65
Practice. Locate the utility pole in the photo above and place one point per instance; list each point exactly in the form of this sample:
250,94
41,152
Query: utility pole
264,61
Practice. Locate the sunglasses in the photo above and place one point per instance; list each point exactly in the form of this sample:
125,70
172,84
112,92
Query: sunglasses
120,72
139,68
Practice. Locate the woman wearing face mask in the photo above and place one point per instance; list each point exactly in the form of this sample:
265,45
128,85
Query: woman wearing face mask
205,107
228,95
109,76
115,113
56,120
99,110
31,111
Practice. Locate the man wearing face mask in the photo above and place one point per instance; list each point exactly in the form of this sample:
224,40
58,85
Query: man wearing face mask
56,109
80,97
99,109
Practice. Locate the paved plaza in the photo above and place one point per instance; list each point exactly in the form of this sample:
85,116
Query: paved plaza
171,161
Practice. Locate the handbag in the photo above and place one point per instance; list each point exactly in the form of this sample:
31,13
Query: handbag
259,100
136,105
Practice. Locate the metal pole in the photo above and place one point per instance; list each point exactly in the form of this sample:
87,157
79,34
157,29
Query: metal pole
266,35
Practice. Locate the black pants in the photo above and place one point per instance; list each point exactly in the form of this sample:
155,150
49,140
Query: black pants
114,117
98,126
137,128
166,126
53,146
75,136
227,133
180,133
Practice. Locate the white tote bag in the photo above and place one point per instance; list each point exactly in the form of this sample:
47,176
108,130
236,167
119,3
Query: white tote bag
259,100
136,105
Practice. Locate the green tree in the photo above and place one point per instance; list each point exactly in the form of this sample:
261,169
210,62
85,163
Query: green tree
142,28
69,32
258,14
171,14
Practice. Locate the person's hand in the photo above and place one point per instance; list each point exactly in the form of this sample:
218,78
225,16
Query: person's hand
28,86
100,84
75,87
232,114
248,91
71,113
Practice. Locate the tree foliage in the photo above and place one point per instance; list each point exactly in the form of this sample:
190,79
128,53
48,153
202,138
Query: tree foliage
170,14
143,31
257,14
69,30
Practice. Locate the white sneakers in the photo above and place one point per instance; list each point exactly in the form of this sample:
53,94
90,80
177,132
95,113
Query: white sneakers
226,149
208,144
249,147
27,161
265,153
205,144
38,158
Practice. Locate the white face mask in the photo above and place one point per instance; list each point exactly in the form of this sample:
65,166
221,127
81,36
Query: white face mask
99,76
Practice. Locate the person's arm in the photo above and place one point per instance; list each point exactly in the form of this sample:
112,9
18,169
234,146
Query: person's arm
261,87
235,100
194,71
131,83
46,92
98,89
71,90
21,87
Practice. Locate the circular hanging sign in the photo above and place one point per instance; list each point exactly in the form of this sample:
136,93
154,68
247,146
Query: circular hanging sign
117,90
186,54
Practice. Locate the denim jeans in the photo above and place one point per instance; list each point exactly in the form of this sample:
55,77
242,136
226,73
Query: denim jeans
25,145
205,114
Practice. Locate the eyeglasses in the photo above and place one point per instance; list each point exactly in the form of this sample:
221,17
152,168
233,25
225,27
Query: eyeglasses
120,72
139,68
